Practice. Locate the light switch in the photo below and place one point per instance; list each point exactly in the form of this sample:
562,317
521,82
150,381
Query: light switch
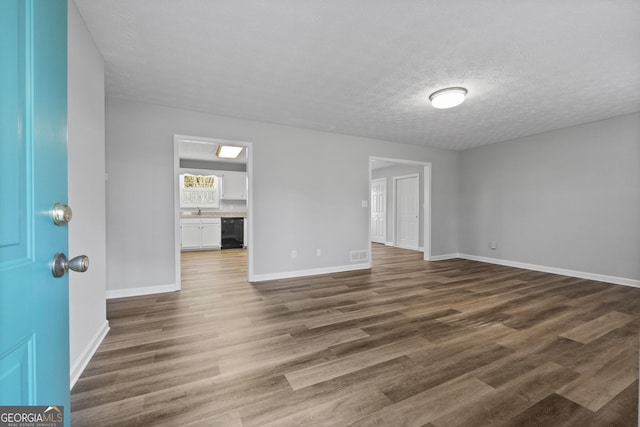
364,203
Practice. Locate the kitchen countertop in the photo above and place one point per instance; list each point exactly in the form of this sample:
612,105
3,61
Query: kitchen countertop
212,214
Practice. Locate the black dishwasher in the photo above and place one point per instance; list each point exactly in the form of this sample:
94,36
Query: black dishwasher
232,233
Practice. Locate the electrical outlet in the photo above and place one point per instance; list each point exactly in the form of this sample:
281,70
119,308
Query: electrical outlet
294,254
318,252
365,203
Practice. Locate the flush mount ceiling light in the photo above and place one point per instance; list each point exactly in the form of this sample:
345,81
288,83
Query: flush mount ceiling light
448,98
228,151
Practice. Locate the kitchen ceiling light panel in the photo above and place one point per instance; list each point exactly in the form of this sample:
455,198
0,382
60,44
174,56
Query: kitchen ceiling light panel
448,98
228,151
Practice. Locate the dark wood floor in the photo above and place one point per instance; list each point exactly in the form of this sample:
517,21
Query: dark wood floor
409,343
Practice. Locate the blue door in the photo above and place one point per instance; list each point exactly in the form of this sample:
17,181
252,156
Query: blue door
34,306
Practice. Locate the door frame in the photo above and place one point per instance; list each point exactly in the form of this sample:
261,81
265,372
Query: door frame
384,179
176,199
427,200
395,208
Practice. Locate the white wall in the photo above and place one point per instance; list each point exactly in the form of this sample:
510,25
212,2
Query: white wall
86,166
307,192
399,170
567,199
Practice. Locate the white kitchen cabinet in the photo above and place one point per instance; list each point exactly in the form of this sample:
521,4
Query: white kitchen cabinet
191,233
234,186
200,233
210,232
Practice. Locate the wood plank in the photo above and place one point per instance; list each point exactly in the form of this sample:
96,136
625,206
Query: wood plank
589,331
345,408
595,388
553,410
336,368
510,399
429,405
340,317
272,408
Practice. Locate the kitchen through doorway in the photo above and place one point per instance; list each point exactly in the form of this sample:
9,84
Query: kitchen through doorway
212,197
400,204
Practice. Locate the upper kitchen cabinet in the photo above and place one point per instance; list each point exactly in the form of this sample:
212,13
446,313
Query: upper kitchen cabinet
234,186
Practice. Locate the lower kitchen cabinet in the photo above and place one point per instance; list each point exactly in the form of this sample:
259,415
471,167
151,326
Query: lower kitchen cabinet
211,232
191,233
200,233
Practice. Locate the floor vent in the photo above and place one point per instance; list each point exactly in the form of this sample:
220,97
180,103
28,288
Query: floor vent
356,256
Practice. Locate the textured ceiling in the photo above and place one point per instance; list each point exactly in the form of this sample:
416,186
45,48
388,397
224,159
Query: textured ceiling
366,67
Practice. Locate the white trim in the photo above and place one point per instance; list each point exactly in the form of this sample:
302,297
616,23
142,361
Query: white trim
561,271
177,227
311,272
82,361
388,243
444,257
426,240
143,290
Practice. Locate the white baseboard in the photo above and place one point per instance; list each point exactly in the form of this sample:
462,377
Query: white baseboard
561,271
444,257
144,290
82,361
389,243
311,272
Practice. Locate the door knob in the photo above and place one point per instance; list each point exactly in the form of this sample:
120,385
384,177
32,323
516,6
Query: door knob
61,214
60,264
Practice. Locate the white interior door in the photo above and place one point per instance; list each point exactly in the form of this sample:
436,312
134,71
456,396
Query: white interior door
407,212
379,210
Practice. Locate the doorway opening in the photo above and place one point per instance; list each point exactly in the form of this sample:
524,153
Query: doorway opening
407,204
195,155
